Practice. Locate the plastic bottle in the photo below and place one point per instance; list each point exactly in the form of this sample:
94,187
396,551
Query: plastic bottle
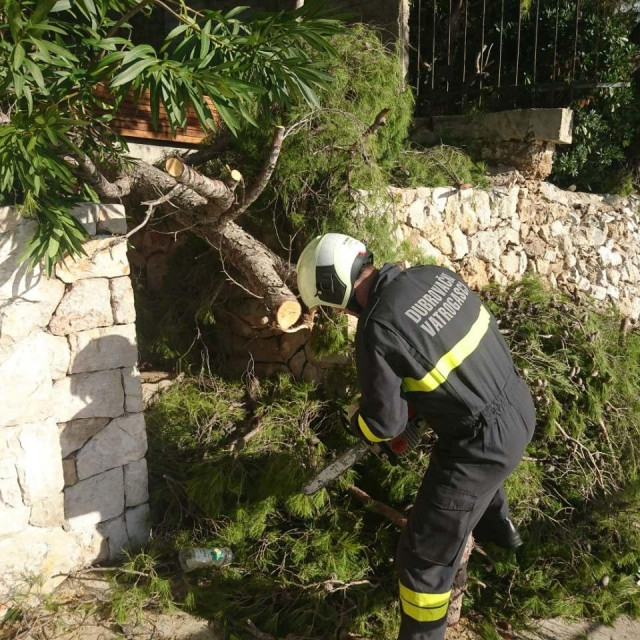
197,557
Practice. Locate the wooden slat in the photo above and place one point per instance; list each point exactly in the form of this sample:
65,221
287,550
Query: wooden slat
133,119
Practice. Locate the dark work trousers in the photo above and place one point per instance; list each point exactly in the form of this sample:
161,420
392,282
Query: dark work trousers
462,487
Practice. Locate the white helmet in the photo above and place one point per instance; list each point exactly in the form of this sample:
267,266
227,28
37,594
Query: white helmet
329,267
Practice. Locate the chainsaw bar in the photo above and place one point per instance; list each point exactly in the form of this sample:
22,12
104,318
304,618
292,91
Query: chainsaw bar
341,464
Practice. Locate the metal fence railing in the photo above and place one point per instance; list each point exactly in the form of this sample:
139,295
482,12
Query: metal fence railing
501,54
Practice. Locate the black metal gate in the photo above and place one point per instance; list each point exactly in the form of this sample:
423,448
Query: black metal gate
499,54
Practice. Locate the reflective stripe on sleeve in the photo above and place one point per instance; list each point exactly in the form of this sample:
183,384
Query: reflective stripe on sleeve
424,607
454,358
368,434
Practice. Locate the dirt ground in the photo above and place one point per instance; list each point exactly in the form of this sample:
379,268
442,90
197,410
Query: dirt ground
77,616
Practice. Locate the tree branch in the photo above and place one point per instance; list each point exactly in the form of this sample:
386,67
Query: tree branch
125,18
218,191
378,507
257,263
87,170
262,179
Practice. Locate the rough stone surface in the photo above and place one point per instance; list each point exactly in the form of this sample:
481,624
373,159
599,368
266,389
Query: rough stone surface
132,390
153,386
89,395
157,268
573,240
106,258
460,244
87,215
138,521
69,471
48,512
12,520
64,368
136,483
27,305
296,364
623,628
75,433
552,125
111,218
15,231
40,466
290,343
94,500
122,441
10,492
86,305
115,532
27,373
103,348
122,302
43,552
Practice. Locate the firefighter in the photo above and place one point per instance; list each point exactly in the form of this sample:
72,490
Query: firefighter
424,339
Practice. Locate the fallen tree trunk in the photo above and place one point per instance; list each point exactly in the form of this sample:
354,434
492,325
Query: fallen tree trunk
258,265
208,208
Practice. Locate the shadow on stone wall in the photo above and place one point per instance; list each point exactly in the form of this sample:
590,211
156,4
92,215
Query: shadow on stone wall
73,479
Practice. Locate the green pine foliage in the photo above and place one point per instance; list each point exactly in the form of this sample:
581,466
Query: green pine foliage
328,157
577,495
312,565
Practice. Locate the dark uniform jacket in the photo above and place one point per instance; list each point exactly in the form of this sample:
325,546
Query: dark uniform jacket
426,340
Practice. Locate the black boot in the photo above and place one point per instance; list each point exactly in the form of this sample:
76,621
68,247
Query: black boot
502,533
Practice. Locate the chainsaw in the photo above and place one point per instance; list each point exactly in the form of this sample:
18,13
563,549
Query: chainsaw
391,451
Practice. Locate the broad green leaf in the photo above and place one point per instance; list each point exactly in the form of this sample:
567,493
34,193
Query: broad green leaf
132,72
18,84
18,56
64,54
181,28
142,50
54,246
43,7
89,6
14,13
36,74
235,11
61,5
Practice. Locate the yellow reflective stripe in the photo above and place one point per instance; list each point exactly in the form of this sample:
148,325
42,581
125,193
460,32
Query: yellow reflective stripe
424,607
368,434
425,600
424,615
454,358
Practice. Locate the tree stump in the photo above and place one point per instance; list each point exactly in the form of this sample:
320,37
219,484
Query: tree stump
459,585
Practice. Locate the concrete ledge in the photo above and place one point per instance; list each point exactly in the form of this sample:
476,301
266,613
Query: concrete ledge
548,125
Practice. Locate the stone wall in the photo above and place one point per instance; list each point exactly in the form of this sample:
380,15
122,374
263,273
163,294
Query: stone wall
73,478
580,243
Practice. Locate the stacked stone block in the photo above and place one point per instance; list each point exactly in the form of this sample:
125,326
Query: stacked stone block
578,242
73,478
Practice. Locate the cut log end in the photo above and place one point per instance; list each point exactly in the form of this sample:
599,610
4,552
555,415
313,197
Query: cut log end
288,314
236,176
174,166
